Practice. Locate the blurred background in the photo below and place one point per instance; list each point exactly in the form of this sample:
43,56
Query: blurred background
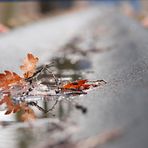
13,14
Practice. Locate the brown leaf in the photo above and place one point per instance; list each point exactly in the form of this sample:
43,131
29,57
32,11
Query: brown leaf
8,78
75,85
29,66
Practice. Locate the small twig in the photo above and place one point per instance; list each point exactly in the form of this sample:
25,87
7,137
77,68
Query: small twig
42,109
29,97
35,74
38,72
56,80
36,105
53,106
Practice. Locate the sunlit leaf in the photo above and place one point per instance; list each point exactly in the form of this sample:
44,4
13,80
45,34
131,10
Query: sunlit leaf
29,66
9,78
77,85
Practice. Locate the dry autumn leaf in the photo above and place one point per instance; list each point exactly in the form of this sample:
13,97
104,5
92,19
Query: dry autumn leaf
29,66
77,85
9,78
80,85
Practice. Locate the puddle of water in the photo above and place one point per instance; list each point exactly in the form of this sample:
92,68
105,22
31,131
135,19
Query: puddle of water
72,63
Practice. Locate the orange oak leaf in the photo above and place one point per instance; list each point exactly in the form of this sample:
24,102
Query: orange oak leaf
80,85
9,78
29,66
77,85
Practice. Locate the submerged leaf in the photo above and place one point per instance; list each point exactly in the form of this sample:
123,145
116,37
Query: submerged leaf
28,114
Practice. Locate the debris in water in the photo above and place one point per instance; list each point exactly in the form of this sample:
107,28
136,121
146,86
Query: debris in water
20,92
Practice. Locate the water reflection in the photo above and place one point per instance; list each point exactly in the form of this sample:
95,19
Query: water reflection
66,67
48,132
25,137
63,63
64,110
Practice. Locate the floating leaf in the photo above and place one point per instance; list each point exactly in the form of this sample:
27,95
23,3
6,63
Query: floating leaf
80,85
76,85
